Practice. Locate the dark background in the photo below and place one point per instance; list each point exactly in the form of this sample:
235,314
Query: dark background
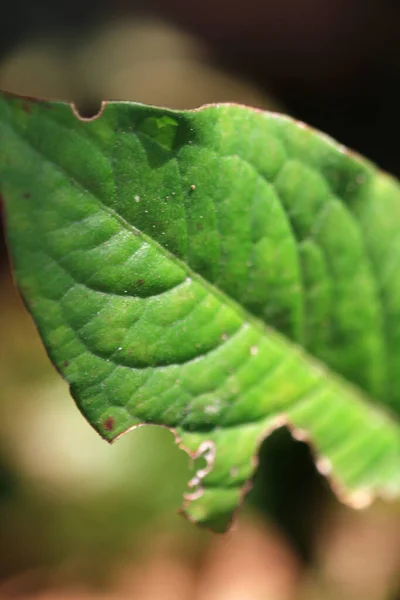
333,63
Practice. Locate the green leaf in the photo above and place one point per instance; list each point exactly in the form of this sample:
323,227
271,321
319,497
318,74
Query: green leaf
221,272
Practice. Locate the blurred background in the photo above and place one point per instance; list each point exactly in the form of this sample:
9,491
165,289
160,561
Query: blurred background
80,519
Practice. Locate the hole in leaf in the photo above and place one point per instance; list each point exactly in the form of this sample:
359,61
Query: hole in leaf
289,490
88,111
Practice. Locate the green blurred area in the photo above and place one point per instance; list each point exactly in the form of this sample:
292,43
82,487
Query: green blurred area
82,519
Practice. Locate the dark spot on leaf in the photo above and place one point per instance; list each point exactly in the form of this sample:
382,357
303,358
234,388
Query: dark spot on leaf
199,227
161,135
109,424
26,107
140,281
27,103
66,364
31,100
162,129
26,195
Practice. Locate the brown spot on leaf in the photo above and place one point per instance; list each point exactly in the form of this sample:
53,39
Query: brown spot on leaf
199,227
109,424
66,364
140,281
26,195
26,107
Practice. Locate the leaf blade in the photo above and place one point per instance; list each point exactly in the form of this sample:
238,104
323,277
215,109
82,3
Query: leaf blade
177,273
